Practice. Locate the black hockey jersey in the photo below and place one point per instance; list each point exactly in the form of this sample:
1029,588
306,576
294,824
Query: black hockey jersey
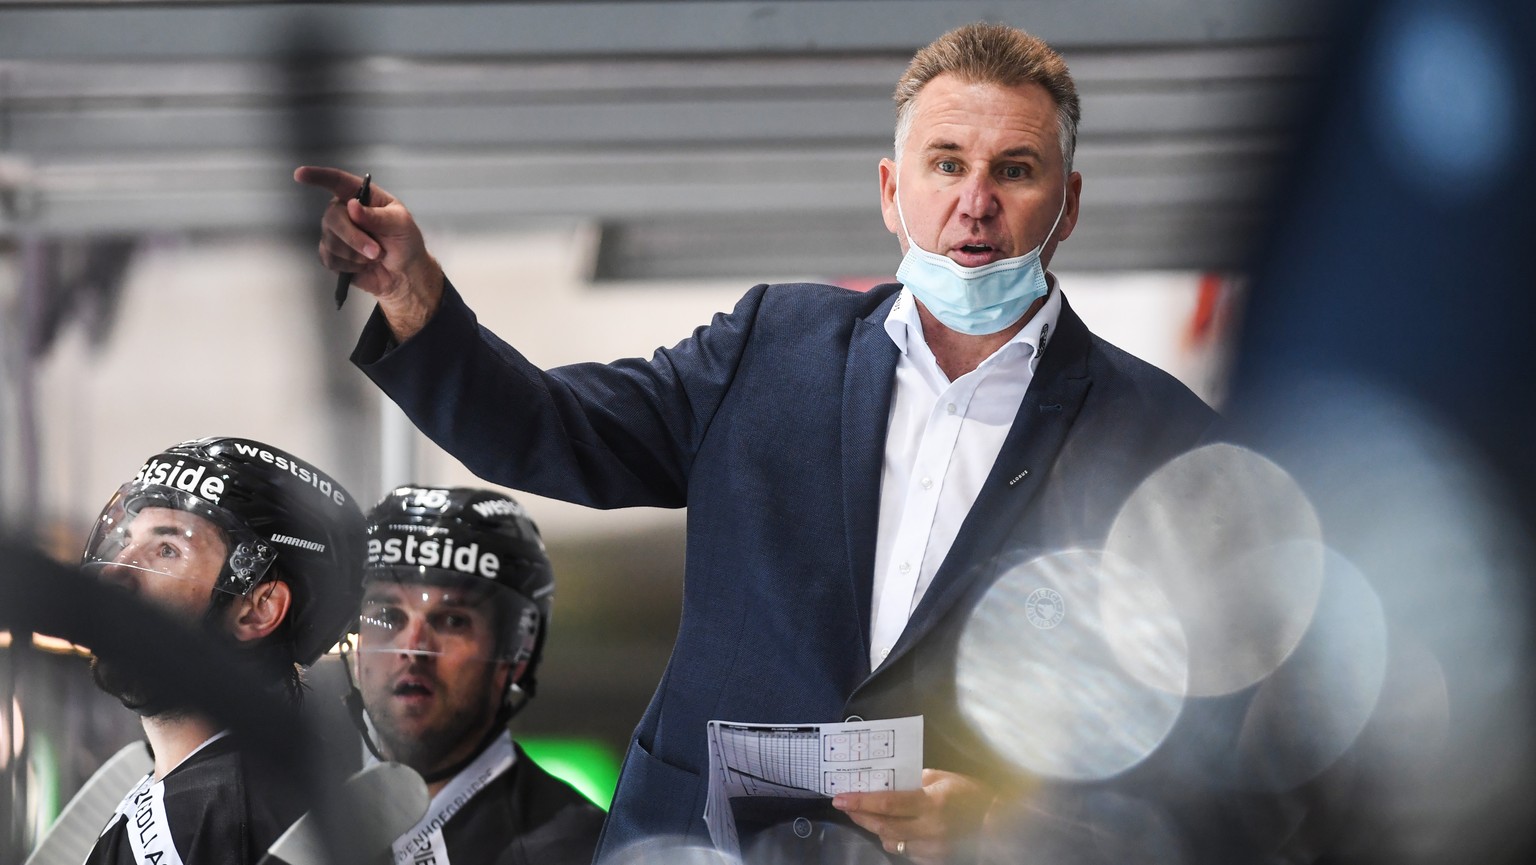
212,809
502,809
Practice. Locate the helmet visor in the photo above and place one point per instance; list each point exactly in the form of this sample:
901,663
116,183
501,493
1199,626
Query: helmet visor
156,531
427,612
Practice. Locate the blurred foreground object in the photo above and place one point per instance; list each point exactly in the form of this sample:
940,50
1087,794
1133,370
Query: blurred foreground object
1387,364
71,837
1314,643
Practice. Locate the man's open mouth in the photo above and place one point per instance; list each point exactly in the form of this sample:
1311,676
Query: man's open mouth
412,688
975,254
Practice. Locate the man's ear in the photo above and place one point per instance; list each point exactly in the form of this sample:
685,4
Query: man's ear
888,200
1070,209
258,614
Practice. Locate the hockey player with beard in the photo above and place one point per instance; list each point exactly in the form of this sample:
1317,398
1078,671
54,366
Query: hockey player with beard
455,612
259,550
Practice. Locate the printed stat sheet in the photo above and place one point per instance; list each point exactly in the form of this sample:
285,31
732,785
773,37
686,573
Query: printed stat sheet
807,761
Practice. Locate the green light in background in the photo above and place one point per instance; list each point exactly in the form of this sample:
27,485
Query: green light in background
45,785
586,764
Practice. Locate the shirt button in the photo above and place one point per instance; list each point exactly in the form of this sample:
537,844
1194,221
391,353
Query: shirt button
927,483
950,408
802,827
884,652
904,567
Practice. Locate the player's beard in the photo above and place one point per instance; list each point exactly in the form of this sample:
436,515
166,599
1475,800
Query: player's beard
121,682
429,749
141,691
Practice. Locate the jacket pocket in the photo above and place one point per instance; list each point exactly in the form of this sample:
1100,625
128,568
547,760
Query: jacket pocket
654,799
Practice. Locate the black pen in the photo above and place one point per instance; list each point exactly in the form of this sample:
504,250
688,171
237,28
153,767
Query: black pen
344,281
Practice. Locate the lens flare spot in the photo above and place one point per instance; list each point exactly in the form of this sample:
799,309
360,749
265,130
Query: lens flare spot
1305,716
1236,547
1447,104
1040,678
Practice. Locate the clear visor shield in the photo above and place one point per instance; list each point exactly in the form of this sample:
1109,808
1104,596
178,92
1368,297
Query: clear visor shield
148,531
425,613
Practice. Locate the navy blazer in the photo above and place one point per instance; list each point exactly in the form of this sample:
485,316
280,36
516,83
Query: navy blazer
769,426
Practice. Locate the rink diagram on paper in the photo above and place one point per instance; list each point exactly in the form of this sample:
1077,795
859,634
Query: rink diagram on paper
807,761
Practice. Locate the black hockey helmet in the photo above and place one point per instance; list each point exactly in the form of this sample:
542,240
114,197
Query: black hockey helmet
272,509
468,539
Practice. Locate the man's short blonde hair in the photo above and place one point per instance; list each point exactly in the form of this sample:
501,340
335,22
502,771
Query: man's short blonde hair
992,54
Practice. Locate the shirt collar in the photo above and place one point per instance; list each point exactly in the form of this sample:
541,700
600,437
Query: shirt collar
905,328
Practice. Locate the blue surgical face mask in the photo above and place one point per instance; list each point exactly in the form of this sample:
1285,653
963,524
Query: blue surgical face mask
974,300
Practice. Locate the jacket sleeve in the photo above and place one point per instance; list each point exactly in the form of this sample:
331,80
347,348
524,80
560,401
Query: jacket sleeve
610,435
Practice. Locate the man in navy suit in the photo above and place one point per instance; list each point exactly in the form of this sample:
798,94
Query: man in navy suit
853,463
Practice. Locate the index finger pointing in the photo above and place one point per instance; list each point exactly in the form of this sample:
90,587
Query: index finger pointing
342,184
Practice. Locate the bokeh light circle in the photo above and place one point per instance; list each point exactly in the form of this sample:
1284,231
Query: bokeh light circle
1235,545
1446,98
1050,692
1304,717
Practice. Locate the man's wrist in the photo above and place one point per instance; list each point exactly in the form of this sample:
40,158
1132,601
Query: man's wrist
408,309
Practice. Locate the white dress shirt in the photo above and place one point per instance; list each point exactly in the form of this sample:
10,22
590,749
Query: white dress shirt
940,443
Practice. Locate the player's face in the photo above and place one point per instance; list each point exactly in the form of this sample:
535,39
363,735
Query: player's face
169,557
981,173
427,671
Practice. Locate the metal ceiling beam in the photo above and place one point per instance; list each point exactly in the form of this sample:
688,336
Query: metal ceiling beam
152,80
836,247
191,190
1240,107
704,155
683,27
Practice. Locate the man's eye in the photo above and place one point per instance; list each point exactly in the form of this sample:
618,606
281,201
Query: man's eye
1015,172
452,623
948,166
169,551
383,617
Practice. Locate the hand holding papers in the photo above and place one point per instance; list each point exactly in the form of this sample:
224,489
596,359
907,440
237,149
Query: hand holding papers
809,761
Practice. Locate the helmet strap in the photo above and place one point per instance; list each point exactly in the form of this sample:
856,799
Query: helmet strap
354,701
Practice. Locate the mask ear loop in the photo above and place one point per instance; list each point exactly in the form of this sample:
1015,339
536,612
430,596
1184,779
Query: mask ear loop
901,217
354,701
1057,224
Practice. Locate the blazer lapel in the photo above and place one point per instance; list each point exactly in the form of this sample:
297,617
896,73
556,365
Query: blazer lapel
1039,430
868,380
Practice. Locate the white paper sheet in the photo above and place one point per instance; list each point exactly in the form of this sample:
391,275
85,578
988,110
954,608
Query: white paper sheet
810,761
